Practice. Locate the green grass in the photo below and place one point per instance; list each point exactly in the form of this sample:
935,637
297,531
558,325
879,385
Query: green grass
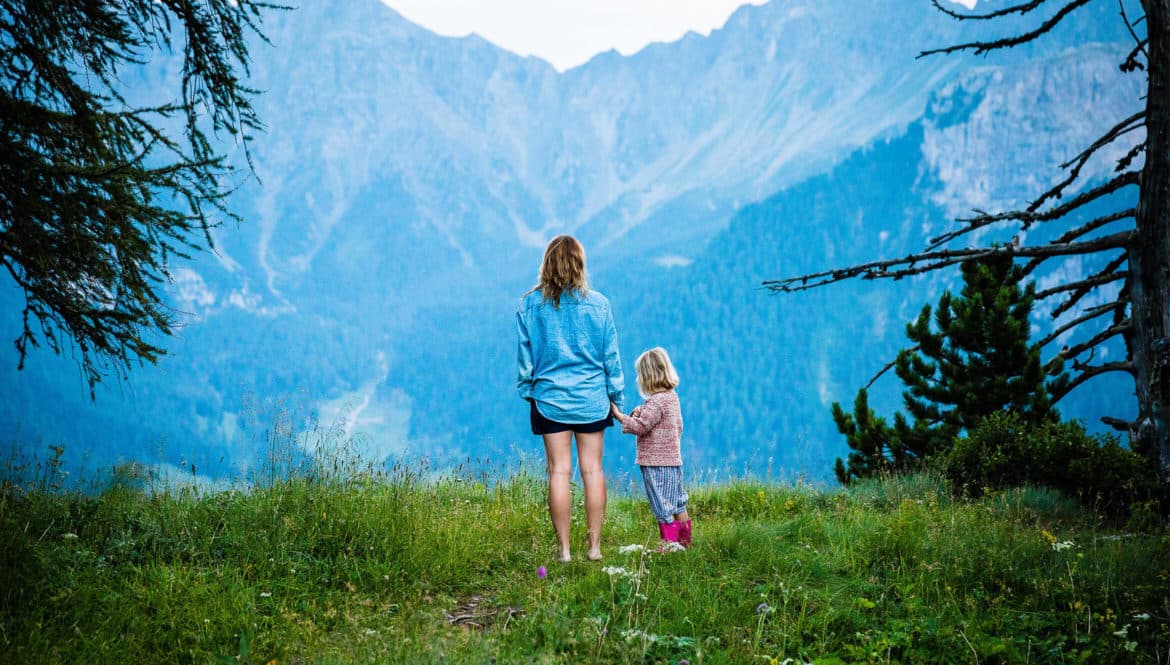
368,570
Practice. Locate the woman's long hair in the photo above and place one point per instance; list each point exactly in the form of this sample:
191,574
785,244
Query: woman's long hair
562,270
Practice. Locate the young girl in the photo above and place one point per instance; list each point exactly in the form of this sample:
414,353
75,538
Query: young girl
658,424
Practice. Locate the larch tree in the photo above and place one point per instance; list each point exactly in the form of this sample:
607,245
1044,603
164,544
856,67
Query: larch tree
1132,243
99,196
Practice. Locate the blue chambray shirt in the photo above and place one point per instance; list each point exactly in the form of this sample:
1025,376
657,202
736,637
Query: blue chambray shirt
569,359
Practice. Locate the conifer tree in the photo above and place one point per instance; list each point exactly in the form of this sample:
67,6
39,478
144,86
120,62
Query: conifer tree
976,362
98,195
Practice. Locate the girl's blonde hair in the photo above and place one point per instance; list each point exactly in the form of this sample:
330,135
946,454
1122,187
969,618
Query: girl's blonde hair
562,270
655,372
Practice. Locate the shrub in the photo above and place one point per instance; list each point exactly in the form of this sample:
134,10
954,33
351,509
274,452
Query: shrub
1004,451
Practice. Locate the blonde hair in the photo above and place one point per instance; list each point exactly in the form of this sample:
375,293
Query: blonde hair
655,372
562,270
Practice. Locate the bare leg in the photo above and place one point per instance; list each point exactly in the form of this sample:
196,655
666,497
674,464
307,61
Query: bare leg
558,450
589,448
681,517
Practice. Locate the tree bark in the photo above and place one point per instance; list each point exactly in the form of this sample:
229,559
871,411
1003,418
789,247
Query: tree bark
1149,253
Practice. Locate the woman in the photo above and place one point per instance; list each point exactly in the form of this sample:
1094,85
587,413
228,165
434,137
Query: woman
570,372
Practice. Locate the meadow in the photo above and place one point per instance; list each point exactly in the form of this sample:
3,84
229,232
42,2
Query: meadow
413,567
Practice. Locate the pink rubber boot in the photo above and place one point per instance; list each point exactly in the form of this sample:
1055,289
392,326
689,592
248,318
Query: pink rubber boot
684,533
669,533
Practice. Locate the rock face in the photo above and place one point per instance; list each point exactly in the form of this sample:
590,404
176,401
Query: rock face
408,182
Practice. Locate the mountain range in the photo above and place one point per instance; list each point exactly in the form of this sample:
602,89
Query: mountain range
407,183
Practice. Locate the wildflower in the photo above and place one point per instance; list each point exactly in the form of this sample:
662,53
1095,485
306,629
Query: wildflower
1123,633
761,495
1063,545
265,594
1131,646
1048,536
1144,616
628,549
763,608
616,571
371,631
542,572
684,661
70,536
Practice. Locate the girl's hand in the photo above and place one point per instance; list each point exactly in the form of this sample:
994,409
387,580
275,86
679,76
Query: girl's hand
636,412
617,413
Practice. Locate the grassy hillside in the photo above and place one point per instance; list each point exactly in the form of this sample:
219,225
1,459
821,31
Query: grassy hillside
375,570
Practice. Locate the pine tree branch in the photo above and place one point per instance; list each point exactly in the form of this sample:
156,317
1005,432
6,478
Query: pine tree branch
1089,315
1088,372
933,260
1015,9
1027,217
981,47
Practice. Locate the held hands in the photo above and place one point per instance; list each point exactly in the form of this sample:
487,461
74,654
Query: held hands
617,413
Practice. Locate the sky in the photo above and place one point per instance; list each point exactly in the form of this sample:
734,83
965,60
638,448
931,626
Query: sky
567,33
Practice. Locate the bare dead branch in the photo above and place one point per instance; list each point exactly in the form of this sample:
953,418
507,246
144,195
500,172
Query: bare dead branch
1117,423
1027,217
932,260
1127,159
1131,62
1089,315
1103,276
1081,288
1091,343
1023,8
1081,230
981,47
1135,121
1090,372
1133,33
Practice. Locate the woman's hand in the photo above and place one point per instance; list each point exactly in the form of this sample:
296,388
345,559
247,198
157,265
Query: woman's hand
617,413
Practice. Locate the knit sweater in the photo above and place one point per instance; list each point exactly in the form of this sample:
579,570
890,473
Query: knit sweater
659,427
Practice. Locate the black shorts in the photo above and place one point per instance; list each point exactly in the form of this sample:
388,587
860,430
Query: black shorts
542,425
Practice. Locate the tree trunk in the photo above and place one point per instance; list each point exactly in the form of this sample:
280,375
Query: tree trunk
1149,255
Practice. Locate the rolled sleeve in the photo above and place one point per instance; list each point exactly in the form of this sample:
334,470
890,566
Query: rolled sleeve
524,378
615,381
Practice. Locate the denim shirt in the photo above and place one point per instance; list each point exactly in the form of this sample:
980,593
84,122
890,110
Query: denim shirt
569,360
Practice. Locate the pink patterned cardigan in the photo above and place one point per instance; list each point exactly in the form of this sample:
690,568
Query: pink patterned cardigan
659,427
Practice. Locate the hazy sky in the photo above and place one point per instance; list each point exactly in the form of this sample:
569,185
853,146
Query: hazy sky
569,32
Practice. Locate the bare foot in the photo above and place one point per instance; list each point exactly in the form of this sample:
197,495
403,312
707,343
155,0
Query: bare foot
564,558
595,555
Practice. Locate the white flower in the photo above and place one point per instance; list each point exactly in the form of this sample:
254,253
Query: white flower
1063,545
627,549
1131,646
1144,616
371,631
633,635
70,536
265,594
1124,632
618,571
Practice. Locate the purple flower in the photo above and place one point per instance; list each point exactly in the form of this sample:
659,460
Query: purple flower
761,608
684,661
542,572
